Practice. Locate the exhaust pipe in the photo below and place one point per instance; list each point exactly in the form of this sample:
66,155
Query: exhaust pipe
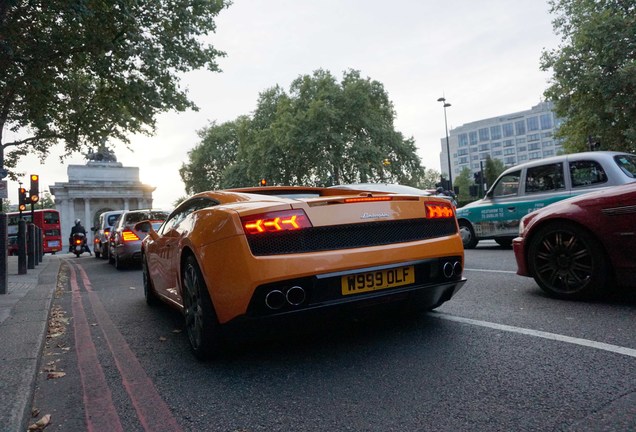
295,295
275,299
448,270
457,268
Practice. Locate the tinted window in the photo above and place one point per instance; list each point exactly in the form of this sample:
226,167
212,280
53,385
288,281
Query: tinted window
112,219
51,218
507,185
585,173
627,164
545,178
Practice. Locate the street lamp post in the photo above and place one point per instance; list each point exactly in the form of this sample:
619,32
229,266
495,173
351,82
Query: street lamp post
450,175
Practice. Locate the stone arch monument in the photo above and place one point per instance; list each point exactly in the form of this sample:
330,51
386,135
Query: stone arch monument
102,184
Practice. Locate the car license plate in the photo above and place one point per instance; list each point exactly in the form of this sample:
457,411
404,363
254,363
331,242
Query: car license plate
377,280
54,243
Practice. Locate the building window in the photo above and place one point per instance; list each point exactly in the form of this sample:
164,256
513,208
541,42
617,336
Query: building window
508,143
508,130
495,132
496,153
547,153
474,157
463,140
521,141
534,146
495,144
522,158
484,156
520,127
462,152
510,160
546,134
547,143
463,160
534,137
533,123
521,149
509,151
534,155
484,135
472,137
546,121
484,147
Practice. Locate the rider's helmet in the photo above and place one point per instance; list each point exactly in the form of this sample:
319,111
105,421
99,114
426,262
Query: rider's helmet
77,221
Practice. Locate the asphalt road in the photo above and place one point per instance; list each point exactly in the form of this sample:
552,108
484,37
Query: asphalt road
500,356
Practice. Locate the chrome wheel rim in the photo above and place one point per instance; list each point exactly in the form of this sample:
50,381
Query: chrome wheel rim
564,262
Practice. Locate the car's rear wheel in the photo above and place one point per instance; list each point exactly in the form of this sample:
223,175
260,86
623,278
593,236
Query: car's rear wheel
119,263
568,262
149,291
469,239
202,326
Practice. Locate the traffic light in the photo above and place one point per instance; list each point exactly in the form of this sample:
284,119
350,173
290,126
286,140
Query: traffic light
263,182
35,188
22,199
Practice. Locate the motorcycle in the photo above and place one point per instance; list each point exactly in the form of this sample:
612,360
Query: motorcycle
78,244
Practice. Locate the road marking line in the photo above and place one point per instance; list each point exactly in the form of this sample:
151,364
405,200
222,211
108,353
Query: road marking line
490,271
536,333
99,410
152,411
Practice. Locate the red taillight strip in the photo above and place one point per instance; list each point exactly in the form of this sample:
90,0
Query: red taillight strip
128,235
367,199
285,220
439,211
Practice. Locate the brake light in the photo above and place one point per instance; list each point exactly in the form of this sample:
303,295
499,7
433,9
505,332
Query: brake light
367,199
128,235
78,241
106,232
286,220
439,210
95,240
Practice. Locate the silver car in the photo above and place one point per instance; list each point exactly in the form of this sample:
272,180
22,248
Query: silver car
126,237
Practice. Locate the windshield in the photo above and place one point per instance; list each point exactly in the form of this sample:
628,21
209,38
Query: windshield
627,164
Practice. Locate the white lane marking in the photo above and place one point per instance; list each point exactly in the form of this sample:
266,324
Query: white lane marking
536,333
490,271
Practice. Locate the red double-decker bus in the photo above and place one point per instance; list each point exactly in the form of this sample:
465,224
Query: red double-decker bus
49,222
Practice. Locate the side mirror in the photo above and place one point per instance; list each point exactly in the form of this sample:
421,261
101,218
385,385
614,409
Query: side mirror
144,227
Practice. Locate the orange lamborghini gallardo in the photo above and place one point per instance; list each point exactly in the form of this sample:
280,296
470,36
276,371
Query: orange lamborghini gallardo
256,253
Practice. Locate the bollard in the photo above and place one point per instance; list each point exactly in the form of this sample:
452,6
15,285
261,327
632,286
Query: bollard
22,253
4,261
38,245
31,246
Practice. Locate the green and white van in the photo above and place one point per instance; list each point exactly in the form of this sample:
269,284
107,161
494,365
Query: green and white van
525,188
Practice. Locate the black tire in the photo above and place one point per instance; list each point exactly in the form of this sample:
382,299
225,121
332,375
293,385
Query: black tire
149,291
567,262
111,259
201,323
119,263
504,242
469,239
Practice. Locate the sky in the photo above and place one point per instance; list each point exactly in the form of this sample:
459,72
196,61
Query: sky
482,56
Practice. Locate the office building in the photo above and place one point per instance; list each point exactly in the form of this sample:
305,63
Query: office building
513,138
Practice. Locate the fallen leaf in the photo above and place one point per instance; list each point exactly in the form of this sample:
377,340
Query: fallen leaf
162,339
41,424
177,331
55,375
35,412
50,368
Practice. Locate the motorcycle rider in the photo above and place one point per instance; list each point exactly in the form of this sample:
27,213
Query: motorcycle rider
78,228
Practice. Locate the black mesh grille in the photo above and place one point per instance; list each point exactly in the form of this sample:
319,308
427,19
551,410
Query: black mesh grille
350,236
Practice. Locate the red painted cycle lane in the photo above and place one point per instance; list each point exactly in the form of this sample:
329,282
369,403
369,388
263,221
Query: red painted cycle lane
98,403
153,413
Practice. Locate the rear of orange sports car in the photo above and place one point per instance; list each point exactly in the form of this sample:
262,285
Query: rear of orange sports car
286,251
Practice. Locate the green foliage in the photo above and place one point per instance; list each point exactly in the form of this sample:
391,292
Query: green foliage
594,72
77,71
429,179
322,132
492,169
46,201
463,181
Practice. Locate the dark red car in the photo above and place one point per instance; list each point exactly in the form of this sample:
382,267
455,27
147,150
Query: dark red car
580,247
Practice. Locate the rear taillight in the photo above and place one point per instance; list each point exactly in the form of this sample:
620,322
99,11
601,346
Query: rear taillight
106,232
439,210
367,199
96,240
128,235
286,220
78,241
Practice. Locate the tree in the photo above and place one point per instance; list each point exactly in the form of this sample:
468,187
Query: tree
77,71
463,181
322,132
429,179
493,168
594,73
46,201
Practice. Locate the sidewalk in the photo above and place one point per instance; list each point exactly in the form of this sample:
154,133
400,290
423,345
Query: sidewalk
24,312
